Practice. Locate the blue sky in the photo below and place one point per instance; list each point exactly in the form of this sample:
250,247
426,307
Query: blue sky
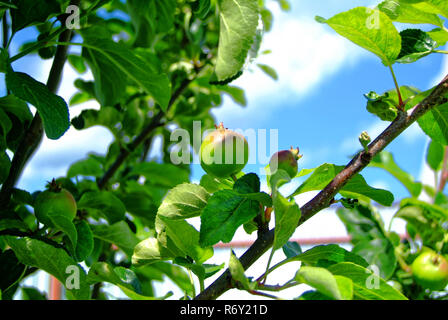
317,104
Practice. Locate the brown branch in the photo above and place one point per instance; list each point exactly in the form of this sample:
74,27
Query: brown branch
323,199
34,134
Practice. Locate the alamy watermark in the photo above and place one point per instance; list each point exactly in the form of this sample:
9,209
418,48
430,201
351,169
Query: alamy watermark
73,19
261,146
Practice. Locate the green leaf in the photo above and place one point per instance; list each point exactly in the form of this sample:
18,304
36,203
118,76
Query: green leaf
5,166
356,187
29,12
11,269
53,260
77,62
248,186
86,167
385,161
226,210
108,117
329,253
237,94
213,184
238,26
435,123
108,205
268,70
415,44
378,252
407,13
439,35
52,108
118,234
371,29
323,281
202,8
434,155
237,271
19,108
361,223
185,237
84,246
433,6
150,251
291,249
366,285
287,215
112,64
61,222
184,201
123,278
12,224
29,293
162,174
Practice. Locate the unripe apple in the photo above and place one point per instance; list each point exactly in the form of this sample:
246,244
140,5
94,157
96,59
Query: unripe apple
430,270
285,160
55,201
224,152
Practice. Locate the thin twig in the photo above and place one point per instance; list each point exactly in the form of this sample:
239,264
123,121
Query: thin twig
323,199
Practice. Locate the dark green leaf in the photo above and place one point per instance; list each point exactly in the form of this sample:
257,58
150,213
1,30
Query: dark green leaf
52,108
118,234
114,63
84,246
415,44
356,187
108,205
291,249
10,268
225,212
30,12
11,104
330,253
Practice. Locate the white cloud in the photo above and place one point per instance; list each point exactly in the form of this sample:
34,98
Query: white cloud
304,53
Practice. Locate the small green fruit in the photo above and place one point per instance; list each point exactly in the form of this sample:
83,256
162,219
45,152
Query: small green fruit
224,152
55,201
430,270
285,160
